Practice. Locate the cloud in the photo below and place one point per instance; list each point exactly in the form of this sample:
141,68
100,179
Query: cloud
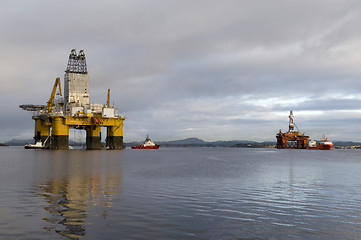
209,69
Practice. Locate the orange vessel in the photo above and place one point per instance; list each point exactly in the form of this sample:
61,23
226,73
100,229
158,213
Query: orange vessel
324,144
296,140
148,144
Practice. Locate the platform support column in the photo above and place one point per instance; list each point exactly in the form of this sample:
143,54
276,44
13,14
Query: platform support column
59,134
93,137
114,139
42,132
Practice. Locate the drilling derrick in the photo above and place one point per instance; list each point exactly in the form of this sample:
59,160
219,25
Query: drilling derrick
76,81
292,139
291,125
53,121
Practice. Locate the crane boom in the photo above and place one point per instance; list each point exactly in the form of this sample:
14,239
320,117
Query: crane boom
51,99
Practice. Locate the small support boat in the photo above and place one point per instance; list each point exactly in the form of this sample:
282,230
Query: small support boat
148,144
324,144
37,145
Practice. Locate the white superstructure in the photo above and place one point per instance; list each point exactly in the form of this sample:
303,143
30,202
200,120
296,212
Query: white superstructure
75,101
76,81
76,90
312,143
148,143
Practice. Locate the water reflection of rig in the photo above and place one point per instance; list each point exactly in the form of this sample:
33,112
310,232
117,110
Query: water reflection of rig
70,197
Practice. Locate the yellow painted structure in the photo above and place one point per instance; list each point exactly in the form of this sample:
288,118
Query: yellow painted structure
58,127
115,136
115,131
94,121
59,134
42,131
53,120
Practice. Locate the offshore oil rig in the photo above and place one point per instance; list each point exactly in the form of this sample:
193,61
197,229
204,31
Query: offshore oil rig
53,121
292,139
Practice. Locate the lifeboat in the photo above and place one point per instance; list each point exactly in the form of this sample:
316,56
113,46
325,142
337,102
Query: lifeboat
148,144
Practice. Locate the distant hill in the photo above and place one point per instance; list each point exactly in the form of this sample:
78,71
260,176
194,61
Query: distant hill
18,142
196,142
232,143
175,143
346,145
185,141
256,145
188,142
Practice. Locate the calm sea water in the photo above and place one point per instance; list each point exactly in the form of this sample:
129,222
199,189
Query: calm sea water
180,193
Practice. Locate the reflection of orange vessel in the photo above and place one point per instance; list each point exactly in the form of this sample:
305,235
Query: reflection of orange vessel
148,144
324,144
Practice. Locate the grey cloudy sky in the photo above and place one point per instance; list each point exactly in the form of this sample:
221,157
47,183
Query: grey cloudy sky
217,70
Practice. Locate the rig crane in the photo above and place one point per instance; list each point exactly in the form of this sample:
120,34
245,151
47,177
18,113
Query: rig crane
52,95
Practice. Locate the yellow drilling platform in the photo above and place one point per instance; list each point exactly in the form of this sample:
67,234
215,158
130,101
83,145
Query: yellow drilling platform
53,121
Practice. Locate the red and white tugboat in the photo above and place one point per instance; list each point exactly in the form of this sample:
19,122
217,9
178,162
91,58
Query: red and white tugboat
148,144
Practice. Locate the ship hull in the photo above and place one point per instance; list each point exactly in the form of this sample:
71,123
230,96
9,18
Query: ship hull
322,147
145,147
32,146
325,146
37,145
